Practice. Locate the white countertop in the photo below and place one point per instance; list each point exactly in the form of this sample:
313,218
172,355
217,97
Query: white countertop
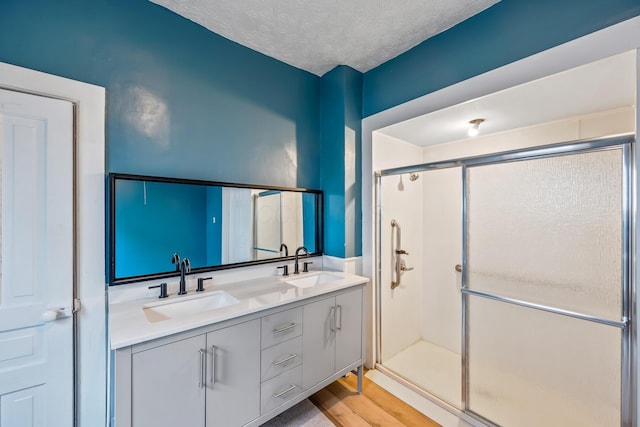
128,324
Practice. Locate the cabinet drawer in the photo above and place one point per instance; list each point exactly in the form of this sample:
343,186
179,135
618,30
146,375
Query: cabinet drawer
280,358
282,326
280,389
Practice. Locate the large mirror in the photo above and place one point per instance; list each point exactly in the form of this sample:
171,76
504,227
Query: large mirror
215,225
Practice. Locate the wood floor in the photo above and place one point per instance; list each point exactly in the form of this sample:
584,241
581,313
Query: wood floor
341,403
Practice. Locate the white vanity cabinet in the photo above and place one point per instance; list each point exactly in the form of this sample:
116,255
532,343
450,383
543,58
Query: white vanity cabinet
241,371
206,380
233,375
332,336
281,372
165,384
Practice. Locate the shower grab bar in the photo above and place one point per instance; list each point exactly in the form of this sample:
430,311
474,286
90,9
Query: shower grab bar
396,251
618,324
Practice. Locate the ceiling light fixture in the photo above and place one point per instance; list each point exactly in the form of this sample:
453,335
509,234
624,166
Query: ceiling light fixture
474,129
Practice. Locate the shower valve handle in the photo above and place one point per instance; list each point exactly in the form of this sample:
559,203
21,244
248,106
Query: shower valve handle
401,252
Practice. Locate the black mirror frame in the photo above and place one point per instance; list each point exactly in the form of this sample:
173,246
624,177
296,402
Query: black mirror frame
111,238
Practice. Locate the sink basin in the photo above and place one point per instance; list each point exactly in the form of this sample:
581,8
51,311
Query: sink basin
313,280
159,311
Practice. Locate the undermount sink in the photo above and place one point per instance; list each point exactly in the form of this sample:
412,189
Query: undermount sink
313,280
158,311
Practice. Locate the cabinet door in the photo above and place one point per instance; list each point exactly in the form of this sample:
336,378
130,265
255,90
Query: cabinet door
348,328
233,375
166,389
318,341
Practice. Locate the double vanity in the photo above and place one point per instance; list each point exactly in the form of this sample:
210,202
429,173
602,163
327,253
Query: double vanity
236,354
244,346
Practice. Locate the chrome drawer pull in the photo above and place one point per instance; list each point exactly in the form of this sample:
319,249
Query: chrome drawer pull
284,328
292,387
213,365
285,360
203,353
332,320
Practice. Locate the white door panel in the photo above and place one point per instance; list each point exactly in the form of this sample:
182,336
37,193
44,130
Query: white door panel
23,408
36,257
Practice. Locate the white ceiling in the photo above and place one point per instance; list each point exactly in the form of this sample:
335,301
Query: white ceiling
595,87
317,35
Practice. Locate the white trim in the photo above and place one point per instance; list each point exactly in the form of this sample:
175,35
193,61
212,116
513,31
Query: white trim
91,368
610,41
351,265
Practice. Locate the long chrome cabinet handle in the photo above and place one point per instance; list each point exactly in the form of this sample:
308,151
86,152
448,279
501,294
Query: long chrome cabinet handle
285,360
339,317
213,364
284,328
282,393
203,354
332,315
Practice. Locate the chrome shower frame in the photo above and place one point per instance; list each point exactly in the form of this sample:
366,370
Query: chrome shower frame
627,322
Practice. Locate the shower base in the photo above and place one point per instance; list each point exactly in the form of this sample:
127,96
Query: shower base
431,368
438,372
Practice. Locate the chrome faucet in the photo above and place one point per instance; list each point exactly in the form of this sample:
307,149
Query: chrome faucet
296,268
185,267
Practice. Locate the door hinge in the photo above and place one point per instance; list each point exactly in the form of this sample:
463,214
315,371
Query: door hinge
76,305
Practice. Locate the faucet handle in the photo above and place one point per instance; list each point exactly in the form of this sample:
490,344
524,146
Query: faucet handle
201,280
285,269
305,266
175,259
163,289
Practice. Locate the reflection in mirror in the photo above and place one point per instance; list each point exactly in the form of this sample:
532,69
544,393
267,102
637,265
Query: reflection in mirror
215,225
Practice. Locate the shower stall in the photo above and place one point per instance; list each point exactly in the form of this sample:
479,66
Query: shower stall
503,283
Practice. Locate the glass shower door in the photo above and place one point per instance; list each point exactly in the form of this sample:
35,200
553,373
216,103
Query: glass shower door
545,296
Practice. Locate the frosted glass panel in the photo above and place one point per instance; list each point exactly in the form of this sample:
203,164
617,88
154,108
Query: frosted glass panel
533,368
549,231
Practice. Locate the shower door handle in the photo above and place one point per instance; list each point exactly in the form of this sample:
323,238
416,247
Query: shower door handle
396,253
458,268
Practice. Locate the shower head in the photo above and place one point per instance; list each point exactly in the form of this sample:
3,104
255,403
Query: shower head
413,177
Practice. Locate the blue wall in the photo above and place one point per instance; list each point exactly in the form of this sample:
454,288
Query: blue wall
341,106
184,102
152,221
181,101
509,31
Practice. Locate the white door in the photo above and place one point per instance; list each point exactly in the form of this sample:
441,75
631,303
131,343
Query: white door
36,258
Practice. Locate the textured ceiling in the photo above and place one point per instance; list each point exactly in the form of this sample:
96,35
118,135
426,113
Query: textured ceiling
317,35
